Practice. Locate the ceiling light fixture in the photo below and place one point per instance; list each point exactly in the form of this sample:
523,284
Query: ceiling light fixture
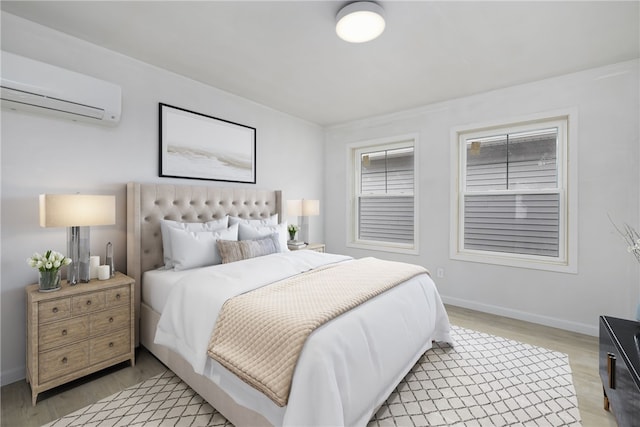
360,22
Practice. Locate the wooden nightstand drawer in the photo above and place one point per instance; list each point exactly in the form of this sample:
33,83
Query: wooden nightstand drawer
63,332
117,296
109,320
87,303
56,363
109,346
56,309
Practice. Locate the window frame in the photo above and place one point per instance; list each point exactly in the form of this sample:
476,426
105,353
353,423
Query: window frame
566,188
354,151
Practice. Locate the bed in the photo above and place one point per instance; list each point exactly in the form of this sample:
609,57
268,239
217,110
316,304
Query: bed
347,367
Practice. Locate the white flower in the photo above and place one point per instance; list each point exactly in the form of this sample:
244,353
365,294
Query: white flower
50,261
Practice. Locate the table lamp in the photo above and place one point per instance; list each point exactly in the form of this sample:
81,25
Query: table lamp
77,212
303,209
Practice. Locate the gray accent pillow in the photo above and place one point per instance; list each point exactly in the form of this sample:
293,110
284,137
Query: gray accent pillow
231,251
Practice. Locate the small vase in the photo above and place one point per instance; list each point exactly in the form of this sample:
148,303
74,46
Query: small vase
49,280
292,236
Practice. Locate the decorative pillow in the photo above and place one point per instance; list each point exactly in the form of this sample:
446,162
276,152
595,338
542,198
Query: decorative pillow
193,249
231,251
252,232
272,220
166,224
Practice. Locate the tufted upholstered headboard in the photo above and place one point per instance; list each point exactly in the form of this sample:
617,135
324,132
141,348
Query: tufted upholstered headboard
147,204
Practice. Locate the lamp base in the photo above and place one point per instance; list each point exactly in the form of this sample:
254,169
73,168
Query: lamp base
78,244
304,228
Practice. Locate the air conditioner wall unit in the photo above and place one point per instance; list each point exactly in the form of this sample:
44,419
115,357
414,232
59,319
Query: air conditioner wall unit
31,85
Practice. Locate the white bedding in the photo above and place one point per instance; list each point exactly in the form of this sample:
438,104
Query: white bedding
347,368
158,284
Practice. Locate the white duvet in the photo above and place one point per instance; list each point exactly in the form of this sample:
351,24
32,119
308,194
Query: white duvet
347,367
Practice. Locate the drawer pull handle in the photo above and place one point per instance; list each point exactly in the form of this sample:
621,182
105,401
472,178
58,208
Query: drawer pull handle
64,359
110,319
55,309
611,370
64,332
118,296
110,344
88,302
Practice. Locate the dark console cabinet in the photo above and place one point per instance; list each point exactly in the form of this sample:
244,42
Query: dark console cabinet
620,368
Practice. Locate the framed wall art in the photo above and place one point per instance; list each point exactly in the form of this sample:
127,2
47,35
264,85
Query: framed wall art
197,146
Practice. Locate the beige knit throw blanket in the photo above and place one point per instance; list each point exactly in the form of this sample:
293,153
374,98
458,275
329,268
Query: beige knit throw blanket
259,335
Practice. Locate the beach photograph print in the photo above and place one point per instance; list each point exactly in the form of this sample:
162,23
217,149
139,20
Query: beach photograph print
196,146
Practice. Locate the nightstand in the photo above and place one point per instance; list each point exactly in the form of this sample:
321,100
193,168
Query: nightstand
620,368
318,247
78,330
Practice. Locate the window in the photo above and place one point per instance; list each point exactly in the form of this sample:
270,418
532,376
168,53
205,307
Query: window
512,195
383,196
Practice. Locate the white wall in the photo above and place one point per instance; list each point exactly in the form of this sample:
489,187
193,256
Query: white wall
42,154
608,107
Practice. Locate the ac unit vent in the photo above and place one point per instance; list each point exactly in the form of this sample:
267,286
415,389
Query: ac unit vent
35,86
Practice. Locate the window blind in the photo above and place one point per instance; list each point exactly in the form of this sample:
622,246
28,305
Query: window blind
522,221
386,202
513,223
386,219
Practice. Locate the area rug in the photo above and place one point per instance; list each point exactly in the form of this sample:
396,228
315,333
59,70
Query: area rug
482,380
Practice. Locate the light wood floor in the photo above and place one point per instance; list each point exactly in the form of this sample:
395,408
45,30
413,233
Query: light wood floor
16,409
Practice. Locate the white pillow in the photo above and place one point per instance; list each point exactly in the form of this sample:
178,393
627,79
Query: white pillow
251,232
272,220
166,224
193,249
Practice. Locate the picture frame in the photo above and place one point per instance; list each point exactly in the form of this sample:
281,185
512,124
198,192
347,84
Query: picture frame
197,146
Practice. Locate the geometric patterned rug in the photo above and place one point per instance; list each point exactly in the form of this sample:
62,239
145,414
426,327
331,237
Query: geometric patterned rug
483,380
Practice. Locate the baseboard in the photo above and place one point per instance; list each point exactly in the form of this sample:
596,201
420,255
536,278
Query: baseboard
12,375
523,315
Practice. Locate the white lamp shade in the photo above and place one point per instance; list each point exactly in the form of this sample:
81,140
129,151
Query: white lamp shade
310,207
360,22
294,207
303,207
76,210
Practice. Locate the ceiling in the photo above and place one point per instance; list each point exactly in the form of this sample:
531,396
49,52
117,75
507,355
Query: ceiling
286,55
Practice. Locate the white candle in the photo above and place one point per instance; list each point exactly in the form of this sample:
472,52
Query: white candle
103,272
94,262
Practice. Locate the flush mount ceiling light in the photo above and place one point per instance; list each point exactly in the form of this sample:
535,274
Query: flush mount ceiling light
360,22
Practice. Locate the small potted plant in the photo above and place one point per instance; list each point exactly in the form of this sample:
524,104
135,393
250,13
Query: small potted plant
293,229
49,267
